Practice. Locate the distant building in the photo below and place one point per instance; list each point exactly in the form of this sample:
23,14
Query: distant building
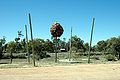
63,50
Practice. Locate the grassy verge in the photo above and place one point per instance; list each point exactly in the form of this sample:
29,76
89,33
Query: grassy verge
46,62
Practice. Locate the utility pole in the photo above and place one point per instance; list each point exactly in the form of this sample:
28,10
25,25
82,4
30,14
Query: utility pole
32,40
70,45
91,40
27,44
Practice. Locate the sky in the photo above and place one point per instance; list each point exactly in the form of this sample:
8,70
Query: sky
77,14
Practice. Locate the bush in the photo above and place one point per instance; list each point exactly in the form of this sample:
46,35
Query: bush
74,53
41,55
20,55
1,54
95,58
14,55
73,49
110,57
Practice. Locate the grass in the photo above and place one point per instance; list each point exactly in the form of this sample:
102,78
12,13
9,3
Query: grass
22,63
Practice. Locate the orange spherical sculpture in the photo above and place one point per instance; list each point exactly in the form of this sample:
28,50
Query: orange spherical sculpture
56,30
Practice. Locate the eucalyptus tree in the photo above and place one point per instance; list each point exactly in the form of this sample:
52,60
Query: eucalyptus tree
102,45
2,43
86,46
49,46
11,48
77,42
17,40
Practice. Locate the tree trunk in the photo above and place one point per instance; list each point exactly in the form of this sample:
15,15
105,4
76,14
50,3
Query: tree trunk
11,57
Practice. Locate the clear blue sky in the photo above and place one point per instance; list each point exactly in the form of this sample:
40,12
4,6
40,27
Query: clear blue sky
75,13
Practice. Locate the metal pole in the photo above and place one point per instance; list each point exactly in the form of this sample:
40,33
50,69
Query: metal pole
27,44
32,40
91,40
70,45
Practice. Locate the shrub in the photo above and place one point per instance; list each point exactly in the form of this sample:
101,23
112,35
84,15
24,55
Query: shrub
110,57
95,58
41,55
73,49
1,54
74,53
14,55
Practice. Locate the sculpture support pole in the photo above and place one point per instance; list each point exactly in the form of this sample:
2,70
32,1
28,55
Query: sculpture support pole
11,57
91,40
27,44
56,31
70,45
32,40
56,49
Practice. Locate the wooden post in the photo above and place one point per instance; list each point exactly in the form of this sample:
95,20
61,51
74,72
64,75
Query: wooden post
27,44
56,49
91,40
11,57
32,40
70,45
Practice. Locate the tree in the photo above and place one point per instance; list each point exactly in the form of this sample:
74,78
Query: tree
23,45
38,45
11,48
111,43
86,46
101,45
62,44
17,40
49,46
39,48
117,49
2,42
77,42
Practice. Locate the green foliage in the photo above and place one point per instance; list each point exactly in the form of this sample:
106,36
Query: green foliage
110,45
1,54
14,55
11,47
73,49
23,45
101,45
2,42
49,46
77,42
38,45
73,52
40,48
86,46
95,58
110,57
41,55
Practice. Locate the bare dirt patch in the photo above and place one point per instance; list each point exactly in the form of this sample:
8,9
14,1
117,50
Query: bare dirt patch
77,72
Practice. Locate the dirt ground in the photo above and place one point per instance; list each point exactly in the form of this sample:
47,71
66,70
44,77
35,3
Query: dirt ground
78,72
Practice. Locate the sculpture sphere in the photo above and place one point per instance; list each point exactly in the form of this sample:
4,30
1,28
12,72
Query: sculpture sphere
56,30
